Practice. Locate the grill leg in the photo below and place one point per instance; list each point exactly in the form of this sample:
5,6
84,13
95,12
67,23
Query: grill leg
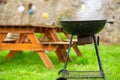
98,56
66,61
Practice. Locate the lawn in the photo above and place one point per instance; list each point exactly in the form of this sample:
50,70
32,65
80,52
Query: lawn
27,65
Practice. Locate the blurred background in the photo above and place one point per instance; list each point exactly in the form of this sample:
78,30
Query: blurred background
48,11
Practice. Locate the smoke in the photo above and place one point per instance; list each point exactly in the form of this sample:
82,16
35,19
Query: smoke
91,9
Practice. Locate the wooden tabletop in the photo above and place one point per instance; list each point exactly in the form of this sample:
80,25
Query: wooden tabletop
26,25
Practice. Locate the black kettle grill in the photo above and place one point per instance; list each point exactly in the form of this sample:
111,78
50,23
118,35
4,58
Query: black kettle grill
84,30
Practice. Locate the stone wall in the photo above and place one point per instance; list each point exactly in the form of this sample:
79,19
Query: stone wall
58,9
110,33
55,8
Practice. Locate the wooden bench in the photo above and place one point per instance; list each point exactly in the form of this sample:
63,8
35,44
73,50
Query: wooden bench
55,43
9,40
67,40
59,48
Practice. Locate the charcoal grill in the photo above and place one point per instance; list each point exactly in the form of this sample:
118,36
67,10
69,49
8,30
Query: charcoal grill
83,29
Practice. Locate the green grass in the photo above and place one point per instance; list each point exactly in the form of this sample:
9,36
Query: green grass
27,65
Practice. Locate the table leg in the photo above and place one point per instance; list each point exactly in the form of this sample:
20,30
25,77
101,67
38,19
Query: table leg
2,37
52,35
11,54
42,54
61,53
75,47
46,60
20,40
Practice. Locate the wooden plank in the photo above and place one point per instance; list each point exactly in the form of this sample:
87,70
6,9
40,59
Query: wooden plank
76,49
55,43
9,40
52,35
59,55
46,60
45,26
17,30
68,40
22,38
2,37
19,47
34,40
11,54
50,47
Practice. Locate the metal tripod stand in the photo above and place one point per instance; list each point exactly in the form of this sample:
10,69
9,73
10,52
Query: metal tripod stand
66,74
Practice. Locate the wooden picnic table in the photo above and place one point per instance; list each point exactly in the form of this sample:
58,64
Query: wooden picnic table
26,32
29,41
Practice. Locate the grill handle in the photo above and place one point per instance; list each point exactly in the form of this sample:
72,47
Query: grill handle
110,22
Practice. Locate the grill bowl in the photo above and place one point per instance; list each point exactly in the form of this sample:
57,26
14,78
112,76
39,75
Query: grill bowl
83,28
